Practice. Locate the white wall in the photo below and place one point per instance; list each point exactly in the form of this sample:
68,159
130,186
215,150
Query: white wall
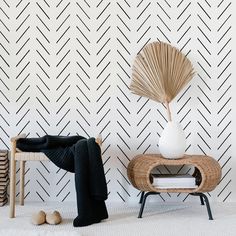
66,67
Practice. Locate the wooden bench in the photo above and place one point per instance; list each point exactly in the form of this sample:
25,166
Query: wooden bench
22,157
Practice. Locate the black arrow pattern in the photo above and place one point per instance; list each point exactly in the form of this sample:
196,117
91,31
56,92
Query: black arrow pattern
145,108
224,103
204,98
65,68
5,69
64,88
22,76
83,57
101,81
124,121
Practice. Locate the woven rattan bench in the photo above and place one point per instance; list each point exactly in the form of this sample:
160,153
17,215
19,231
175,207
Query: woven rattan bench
22,157
207,172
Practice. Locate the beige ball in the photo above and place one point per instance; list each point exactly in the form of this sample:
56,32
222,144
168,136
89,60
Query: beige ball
38,218
54,218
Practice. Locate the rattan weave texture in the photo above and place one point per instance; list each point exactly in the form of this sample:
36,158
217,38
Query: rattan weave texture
140,167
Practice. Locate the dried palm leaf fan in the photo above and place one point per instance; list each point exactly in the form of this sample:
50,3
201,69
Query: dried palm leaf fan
160,71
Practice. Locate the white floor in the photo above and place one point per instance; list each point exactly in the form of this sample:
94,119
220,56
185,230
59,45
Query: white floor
167,219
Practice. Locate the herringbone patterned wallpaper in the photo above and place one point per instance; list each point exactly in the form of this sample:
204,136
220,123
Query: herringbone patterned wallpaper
65,69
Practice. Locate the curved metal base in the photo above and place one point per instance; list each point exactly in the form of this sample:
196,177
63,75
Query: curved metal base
202,200
143,201
141,198
202,196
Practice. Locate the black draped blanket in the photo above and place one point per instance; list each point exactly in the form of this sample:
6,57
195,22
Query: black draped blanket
83,157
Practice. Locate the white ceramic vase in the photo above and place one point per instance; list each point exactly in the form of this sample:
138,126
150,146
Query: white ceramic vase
172,143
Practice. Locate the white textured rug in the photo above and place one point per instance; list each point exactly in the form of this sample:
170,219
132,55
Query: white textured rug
162,219
38,232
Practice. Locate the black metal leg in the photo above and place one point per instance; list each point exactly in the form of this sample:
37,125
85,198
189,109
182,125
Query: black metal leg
202,201
208,206
203,196
144,201
141,198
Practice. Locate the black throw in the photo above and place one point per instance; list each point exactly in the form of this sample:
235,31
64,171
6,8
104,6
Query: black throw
83,157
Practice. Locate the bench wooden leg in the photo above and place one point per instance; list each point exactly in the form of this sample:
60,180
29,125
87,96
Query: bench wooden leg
12,185
22,182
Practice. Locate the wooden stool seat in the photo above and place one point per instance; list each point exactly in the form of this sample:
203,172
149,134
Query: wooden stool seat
31,156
